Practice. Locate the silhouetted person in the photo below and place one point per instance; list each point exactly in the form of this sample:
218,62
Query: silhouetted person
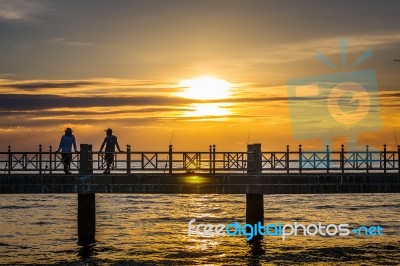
66,142
110,141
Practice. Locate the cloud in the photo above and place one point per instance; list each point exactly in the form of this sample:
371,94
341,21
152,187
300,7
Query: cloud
297,51
49,103
71,42
46,94
52,85
39,102
11,129
86,87
389,94
21,102
18,10
31,102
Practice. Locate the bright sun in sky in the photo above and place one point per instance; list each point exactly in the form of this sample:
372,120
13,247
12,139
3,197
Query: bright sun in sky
205,88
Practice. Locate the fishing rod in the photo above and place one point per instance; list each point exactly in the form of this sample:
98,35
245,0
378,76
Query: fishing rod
172,137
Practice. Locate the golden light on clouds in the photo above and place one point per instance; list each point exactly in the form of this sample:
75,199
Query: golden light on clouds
205,88
208,109
224,111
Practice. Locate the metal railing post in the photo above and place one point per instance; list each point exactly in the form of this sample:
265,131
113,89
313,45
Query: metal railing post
210,156
170,158
9,160
50,160
384,158
342,158
398,158
214,159
40,159
354,160
287,159
300,159
128,158
327,159
367,155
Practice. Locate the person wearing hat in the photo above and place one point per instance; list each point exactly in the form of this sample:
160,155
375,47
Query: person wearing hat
110,142
66,142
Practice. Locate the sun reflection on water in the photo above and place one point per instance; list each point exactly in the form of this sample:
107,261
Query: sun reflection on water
196,179
153,229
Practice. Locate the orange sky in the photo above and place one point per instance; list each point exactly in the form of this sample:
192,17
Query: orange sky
91,67
144,114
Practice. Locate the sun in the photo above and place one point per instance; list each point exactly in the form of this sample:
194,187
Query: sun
205,88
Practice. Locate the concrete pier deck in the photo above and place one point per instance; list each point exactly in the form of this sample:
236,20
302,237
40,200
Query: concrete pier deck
282,183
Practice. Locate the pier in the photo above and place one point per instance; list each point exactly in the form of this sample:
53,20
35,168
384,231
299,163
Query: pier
253,172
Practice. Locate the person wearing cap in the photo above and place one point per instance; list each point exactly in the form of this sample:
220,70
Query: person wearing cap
66,143
110,142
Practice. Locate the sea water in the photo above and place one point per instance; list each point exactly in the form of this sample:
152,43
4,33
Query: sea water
153,229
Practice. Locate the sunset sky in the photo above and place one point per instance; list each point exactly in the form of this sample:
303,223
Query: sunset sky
134,66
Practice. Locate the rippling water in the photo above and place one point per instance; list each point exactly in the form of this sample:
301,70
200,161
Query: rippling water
152,229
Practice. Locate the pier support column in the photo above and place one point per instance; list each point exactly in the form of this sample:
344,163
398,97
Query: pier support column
254,208
86,198
254,202
86,218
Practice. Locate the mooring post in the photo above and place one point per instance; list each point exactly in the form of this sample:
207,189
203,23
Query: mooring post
86,199
86,159
254,202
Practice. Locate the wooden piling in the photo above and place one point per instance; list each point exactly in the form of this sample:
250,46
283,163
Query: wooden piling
254,202
86,199
86,218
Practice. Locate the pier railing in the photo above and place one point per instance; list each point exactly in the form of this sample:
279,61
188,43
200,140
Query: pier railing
211,161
